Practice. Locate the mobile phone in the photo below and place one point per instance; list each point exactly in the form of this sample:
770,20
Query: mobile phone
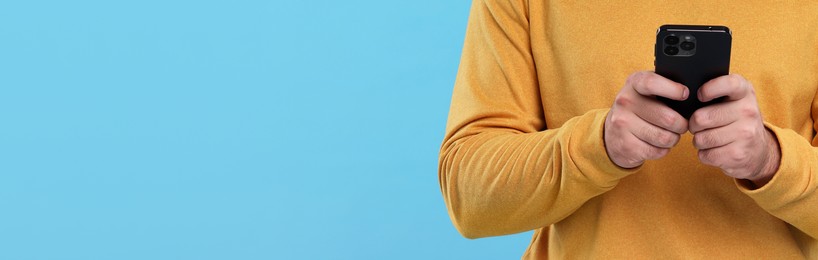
692,55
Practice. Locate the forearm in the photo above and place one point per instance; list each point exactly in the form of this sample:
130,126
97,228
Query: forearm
497,183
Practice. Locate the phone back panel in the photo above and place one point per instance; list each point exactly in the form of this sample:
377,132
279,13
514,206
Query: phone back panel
711,59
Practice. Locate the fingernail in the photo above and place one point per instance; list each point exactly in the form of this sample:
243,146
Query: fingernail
685,93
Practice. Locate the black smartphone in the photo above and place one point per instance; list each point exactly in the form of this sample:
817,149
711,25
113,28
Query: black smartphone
692,55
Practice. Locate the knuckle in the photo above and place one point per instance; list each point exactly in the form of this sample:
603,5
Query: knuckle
699,141
665,139
746,133
636,152
666,117
700,118
648,82
674,139
651,152
682,127
738,155
693,121
659,153
735,80
706,140
635,79
623,100
710,116
749,112
618,121
646,152
711,140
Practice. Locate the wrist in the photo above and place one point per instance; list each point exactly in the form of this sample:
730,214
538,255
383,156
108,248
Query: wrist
770,166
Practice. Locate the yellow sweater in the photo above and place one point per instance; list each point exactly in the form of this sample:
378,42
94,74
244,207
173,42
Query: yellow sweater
524,151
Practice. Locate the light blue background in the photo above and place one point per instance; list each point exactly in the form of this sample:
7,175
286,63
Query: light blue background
229,130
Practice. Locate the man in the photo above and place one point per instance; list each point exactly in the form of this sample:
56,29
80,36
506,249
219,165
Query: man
555,127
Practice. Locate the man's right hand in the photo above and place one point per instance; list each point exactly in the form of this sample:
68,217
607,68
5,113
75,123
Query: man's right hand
639,127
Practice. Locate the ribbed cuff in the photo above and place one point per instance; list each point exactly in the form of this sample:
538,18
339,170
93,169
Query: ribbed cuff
787,185
587,150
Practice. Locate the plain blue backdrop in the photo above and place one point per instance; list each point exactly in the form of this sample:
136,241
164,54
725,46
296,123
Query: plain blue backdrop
229,130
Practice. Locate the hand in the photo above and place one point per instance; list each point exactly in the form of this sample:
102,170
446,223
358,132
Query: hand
638,126
731,135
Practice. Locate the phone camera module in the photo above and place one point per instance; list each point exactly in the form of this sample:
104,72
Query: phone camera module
671,50
687,46
679,44
671,40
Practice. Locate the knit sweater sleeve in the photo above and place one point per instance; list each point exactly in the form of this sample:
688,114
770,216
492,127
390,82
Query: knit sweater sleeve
500,170
792,193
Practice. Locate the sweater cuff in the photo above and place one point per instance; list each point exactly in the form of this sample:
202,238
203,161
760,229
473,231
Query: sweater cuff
779,191
586,148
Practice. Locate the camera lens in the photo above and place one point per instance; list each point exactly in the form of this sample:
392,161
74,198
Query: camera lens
687,46
671,40
670,50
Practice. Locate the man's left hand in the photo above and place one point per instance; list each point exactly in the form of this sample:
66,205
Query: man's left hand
731,135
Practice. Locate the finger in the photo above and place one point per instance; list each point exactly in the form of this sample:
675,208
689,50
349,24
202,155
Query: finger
713,116
658,114
638,151
730,158
733,86
647,83
710,156
653,135
714,138
647,151
626,149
